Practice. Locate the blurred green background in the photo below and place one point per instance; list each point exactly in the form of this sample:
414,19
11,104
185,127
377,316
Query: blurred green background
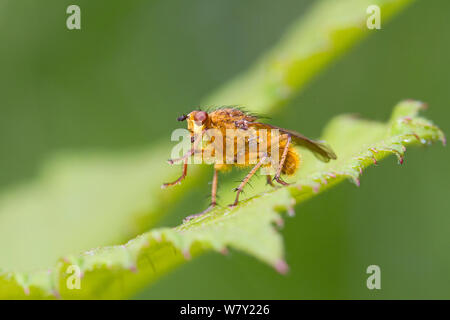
136,65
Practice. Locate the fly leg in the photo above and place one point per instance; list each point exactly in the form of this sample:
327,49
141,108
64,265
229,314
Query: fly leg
213,198
185,159
277,177
246,179
214,189
269,181
183,175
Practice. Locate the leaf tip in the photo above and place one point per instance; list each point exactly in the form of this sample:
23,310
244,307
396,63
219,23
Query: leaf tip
280,222
316,188
133,268
290,208
187,254
56,294
224,251
281,267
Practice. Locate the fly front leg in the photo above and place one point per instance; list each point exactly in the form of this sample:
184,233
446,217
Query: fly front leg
246,179
183,175
185,158
277,177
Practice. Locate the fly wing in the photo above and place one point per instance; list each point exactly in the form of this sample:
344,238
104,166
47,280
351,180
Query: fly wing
321,150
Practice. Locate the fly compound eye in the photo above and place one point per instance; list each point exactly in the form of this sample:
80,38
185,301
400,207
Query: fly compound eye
200,116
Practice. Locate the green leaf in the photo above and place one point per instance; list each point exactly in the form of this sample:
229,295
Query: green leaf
82,201
119,271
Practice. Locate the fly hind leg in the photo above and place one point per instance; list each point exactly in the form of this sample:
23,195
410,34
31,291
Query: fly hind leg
277,177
